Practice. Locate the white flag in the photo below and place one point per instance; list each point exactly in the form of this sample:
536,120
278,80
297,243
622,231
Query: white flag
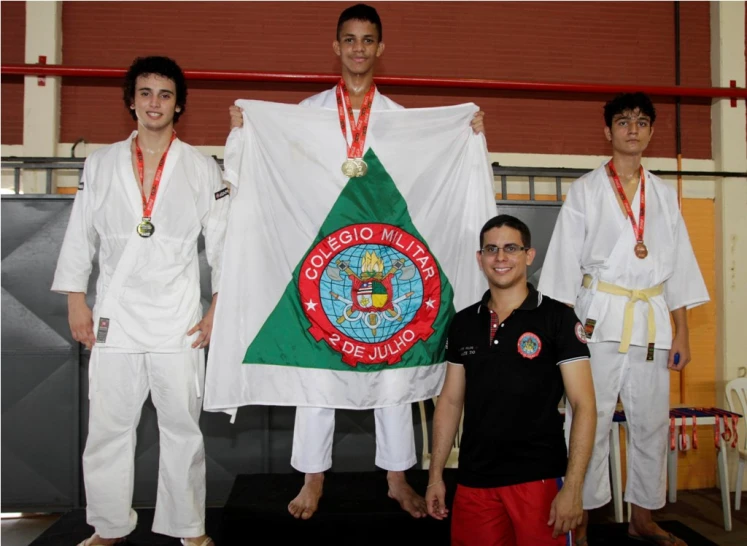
338,292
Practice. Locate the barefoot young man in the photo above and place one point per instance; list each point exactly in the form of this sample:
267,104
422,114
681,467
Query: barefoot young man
142,203
620,254
359,44
510,358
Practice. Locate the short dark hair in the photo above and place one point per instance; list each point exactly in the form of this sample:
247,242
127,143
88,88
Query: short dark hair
162,66
629,101
510,221
360,12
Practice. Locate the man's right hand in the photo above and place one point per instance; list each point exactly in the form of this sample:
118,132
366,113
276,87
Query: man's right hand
81,319
237,117
435,500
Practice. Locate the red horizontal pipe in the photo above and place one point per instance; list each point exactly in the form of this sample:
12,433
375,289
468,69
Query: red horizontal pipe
461,83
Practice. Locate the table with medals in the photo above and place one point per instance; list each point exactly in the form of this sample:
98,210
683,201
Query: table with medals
725,436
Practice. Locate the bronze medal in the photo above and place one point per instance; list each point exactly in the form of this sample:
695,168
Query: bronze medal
640,250
361,167
145,228
350,168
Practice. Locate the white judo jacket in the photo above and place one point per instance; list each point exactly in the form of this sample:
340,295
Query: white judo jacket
148,288
325,99
593,237
328,99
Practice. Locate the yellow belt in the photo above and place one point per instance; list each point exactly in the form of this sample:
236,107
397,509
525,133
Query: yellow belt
633,296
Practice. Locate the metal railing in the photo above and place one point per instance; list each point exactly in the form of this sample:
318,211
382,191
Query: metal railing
502,174
47,164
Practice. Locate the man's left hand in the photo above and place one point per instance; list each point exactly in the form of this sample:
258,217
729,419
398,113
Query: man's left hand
681,345
205,327
478,122
566,512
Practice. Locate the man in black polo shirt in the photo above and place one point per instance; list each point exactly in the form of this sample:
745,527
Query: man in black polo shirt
511,357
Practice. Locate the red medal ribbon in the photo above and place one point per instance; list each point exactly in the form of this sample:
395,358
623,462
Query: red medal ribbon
727,431
637,230
683,434
695,432
672,445
355,150
734,425
148,203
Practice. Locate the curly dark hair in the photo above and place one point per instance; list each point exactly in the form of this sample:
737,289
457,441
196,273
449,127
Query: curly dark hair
632,102
162,66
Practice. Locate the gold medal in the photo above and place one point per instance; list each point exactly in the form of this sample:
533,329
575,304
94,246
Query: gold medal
361,167
640,250
145,228
350,168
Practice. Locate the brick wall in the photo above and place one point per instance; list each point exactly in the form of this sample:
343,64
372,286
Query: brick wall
13,39
604,42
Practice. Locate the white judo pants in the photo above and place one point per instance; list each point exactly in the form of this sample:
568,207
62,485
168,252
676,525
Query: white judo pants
643,388
118,387
314,431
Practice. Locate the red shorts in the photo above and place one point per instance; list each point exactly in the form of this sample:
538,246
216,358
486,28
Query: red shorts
513,515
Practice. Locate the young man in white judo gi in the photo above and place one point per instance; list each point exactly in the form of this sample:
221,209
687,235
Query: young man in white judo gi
142,203
621,255
359,44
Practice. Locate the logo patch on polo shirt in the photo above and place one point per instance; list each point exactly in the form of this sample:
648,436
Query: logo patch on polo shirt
529,345
580,332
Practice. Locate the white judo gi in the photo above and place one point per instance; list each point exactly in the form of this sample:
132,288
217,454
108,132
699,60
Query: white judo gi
148,291
590,255
313,433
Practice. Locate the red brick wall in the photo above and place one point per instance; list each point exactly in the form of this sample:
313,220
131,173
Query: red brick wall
593,42
13,46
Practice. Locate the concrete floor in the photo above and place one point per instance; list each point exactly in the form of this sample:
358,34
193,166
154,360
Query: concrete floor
700,510
23,531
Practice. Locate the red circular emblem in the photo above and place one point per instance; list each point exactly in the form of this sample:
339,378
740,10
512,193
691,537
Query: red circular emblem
529,345
370,291
580,332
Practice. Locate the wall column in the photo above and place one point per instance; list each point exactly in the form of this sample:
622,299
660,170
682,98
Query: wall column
41,104
729,139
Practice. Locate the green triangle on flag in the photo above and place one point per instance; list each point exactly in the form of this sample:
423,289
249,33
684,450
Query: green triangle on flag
367,296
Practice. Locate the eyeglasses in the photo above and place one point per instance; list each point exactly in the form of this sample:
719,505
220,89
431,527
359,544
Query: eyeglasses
510,249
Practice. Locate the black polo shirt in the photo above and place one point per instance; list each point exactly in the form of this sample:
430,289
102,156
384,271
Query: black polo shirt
513,432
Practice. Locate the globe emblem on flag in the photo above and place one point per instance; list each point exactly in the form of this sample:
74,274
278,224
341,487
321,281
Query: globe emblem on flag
370,292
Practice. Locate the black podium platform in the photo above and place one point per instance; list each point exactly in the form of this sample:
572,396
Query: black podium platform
354,509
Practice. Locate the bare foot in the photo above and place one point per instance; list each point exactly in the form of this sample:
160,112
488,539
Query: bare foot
650,529
307,500
408,499
96,540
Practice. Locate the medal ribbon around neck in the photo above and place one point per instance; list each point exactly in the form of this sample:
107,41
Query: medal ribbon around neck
148,203
637,230
358,130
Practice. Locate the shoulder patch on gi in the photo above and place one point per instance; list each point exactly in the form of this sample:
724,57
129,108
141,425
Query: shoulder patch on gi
580,332
529,345
220,194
